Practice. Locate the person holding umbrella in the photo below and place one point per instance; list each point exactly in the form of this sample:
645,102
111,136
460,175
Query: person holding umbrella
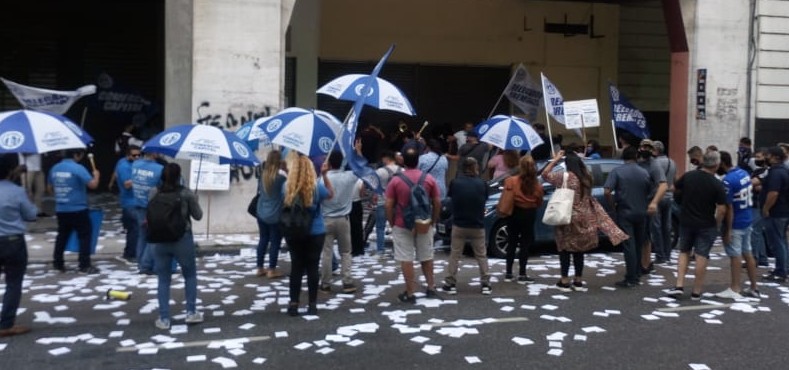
70,180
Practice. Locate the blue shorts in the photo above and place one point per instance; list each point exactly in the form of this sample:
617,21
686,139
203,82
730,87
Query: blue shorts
699,240
740,242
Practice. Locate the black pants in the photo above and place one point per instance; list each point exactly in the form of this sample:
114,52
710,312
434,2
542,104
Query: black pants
305,256
13,262
357,229
578,263
68,222
520,227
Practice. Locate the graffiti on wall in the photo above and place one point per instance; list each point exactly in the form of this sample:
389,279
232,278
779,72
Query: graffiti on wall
236,115
726,109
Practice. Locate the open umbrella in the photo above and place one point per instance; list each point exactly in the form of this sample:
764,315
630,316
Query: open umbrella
27,131
381,94
243,133
201,142
508,132
310,132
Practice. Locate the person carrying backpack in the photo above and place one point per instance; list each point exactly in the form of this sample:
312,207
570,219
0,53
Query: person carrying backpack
412,206
170,236
303,227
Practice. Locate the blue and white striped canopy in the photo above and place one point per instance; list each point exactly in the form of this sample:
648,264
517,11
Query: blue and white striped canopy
382,94
508,132
27,131
310,132
202,142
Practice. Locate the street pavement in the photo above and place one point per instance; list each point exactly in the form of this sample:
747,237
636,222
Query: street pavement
518,326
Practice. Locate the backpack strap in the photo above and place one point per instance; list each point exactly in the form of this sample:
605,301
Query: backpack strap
406,180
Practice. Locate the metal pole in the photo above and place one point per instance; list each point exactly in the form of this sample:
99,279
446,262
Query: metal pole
616,139
550,135
497,103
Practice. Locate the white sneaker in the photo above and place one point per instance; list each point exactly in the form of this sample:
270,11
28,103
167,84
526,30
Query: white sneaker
194,317
729,294
163,324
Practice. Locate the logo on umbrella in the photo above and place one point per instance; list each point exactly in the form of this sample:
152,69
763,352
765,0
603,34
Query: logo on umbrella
11,140
516,141
359,87
243,132
274,125
240,149
73,127
483,128
170,139
325,143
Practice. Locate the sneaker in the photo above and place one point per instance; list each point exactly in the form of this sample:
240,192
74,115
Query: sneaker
626,284
274,274
751,293
486,289
261,272
349,288
163,324
508,278
90,270
293,309
325,288
450,289
194,317
695,296
675,292
405,298
729,294
774,278
335,272
578,286
564,287
523,279
433,294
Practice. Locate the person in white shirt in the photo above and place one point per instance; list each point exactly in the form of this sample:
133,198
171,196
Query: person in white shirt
34,179
385,173
461,135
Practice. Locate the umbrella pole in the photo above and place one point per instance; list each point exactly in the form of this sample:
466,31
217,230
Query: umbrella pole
342,131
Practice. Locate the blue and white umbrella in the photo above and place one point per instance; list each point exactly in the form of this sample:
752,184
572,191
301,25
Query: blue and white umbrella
202,142
243,133
27,131
508,132
382,94
310,132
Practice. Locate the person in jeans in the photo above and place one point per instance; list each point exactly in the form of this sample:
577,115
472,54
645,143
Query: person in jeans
182,251
268,210
385,174
15,210
336,211
469,194
409,245
146,175
70,181
702,200
436,164
123,175
758,175
627,189
527,198
661,223
646,154
305,253
775,211
737,233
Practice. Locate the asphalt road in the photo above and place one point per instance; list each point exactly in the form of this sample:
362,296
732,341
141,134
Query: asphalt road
518,326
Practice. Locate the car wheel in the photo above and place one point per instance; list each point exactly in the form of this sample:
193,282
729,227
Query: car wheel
498,240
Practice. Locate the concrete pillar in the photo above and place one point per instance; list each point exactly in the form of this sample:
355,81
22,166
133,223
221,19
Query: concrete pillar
305,46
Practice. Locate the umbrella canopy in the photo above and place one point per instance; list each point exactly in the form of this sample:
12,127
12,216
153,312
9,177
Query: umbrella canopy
508,132
27,131
382,94
201,142
310,132
243,133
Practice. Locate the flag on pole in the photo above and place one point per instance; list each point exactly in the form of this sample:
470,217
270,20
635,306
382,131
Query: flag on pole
554,102
52,101
524,93
625,115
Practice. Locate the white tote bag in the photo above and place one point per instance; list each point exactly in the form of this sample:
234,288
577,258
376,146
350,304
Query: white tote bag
560,208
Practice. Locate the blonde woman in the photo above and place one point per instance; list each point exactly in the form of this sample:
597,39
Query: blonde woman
268,209
305,251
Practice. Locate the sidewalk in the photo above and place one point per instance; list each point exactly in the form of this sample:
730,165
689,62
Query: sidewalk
112,238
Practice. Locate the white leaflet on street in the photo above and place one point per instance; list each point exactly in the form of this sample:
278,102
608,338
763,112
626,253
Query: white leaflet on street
148,351
337,338
699,367
127,343
303,345
665,314
717,312
557,336
59,351
196,358
473,360
247,326
310,317
522,341
212,330
593,329
431,349
613,312
96,341
259,360
713,321
507,308
237,352
226,363
580,337
600,314
420,339
123,322
356,310
325,350
281,334
560,297
528,307
555,352
504,300
219,313
650,299
116,334
650,317
179,329
549,307
355,343
554,344
548,317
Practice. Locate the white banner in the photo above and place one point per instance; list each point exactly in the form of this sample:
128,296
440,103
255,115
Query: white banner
212,176
524,93
581,114
554,103
52,101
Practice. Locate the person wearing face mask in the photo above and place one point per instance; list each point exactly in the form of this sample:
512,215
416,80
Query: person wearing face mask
694,154
774,197
758,175
646,152
744,155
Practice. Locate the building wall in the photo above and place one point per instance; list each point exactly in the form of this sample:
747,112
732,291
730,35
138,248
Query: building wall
772,91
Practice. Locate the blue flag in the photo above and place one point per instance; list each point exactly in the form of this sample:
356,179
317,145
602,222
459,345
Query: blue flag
357,162
625,115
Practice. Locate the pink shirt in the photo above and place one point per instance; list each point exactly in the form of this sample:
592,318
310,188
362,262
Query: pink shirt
401,193
498,166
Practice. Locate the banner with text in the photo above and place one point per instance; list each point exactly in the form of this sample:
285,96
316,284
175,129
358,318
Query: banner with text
52,101
209,176
580,114
626,116
524,93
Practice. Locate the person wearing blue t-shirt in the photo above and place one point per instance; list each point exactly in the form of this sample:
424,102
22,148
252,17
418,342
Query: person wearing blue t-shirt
774,198
146,175
123,179
69,181
738,221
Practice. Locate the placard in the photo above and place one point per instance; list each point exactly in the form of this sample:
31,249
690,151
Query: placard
212,176
577,110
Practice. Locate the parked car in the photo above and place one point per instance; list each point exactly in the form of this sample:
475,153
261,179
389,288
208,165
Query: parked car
496,228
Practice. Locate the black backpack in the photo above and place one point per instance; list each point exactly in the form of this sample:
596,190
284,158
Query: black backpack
296,220
166,223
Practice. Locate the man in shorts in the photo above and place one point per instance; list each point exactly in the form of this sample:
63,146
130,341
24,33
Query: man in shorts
702,200
738,221
409,245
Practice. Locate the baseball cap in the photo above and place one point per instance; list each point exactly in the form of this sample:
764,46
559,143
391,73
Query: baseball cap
647,142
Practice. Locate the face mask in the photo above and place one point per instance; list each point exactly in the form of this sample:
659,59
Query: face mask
645,154
694,162
760,162
721,171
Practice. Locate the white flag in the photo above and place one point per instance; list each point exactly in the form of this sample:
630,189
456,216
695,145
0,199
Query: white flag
554,103
52,101
524,93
